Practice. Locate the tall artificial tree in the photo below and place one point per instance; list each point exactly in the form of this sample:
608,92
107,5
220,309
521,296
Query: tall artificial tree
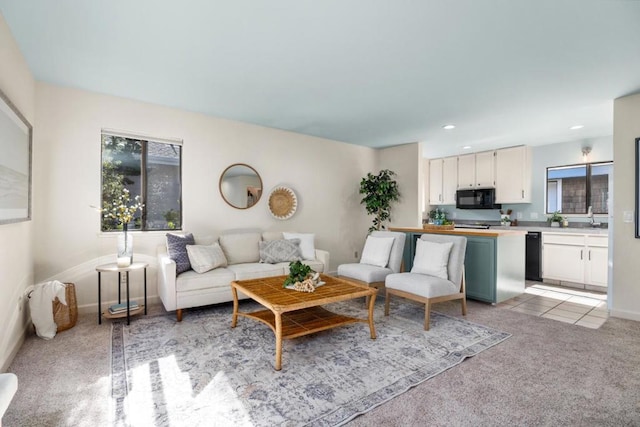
379,190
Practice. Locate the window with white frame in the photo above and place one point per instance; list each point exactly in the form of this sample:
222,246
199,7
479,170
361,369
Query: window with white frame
148,168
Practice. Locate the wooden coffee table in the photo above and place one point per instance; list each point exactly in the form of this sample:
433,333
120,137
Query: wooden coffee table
291,314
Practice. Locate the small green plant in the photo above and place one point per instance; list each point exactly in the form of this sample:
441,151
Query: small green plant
297,273
555,217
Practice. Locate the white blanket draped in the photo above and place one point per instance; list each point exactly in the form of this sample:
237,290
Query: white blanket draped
41,309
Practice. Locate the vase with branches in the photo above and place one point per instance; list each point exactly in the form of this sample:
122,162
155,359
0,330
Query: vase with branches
379,192
122,210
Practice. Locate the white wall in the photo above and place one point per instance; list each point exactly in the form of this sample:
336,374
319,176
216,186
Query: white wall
324,174
626,248
16,247
407,162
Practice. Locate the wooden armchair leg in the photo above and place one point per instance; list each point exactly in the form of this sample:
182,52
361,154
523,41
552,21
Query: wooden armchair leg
387,297
464,306
427,314
179,315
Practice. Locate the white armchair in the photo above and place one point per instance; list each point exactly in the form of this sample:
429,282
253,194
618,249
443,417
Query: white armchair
437,274
374,275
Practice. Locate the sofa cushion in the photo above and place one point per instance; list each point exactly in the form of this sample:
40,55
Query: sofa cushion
421,284
177,250
206,257
191,281
255,270
376,251
241,247
432,258
364,272
282,250
268,236
307,245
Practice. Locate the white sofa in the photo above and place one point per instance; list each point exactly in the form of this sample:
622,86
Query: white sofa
191,289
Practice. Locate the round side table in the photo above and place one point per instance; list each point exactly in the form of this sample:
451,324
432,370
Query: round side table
113,268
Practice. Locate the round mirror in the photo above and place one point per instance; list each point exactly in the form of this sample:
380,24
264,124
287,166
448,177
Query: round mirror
240,186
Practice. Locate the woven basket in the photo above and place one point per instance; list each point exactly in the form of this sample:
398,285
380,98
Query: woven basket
438,227
282,203
66,316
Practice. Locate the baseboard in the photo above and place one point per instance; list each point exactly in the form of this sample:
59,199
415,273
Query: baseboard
624,314
15,349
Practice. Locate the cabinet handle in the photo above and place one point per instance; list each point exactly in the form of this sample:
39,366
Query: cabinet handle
581,253
523,194
589,254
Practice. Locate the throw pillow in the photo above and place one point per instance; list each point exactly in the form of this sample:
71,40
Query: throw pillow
376,251
307,247
240,248
177,249
206,257
432,258
275,251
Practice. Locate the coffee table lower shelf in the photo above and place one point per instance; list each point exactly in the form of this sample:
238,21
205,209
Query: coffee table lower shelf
302,322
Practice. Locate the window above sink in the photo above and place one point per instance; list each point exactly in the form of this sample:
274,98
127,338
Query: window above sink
572,189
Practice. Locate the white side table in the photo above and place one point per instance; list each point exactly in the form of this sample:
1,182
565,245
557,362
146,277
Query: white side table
113,268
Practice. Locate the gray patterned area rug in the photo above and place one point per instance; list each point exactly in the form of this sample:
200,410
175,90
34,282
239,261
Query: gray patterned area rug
202,372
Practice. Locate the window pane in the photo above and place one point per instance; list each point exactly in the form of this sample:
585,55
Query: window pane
163,187
600,187
121,169
567,189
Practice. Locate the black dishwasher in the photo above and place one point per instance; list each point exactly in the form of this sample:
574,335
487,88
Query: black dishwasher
533,253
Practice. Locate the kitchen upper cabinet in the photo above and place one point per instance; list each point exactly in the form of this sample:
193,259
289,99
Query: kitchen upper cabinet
449,180
476,170
443,181
576,258
485,169
467,171
513,175
435,182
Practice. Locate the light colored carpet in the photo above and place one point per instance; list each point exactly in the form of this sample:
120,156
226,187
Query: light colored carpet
548,373
202,372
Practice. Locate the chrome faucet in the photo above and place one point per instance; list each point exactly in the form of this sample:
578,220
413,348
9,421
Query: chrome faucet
591,218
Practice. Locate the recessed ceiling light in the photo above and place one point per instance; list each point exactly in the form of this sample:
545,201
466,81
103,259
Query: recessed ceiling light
466,147
576,127
448,127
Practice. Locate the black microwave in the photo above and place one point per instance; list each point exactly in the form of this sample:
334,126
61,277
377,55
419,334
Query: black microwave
477,199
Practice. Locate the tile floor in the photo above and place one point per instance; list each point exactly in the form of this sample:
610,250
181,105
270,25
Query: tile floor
579,307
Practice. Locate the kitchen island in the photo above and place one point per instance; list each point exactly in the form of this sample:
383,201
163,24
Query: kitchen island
494,261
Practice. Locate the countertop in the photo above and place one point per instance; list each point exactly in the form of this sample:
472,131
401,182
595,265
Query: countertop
492,232
496,231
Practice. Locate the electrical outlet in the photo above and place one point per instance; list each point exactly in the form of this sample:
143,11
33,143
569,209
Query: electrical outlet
519,215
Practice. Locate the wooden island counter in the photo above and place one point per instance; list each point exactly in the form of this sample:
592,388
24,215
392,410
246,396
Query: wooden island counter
494,261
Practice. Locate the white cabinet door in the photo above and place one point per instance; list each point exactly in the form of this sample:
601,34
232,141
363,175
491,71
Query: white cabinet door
563,262
513,175
485,169
597,266
449,180
467,171
435,182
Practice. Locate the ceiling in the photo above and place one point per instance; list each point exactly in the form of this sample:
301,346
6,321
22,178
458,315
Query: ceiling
371,72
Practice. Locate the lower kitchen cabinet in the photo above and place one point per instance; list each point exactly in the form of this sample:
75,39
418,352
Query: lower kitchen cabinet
494,262
576,258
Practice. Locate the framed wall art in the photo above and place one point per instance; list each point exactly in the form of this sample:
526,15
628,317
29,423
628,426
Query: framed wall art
15,163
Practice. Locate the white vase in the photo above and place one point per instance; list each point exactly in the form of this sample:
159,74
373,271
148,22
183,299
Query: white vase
125,247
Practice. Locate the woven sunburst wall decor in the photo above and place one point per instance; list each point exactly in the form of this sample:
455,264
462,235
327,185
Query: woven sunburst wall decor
282,202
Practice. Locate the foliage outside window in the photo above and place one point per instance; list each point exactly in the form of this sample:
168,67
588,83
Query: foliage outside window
149,170
572,189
